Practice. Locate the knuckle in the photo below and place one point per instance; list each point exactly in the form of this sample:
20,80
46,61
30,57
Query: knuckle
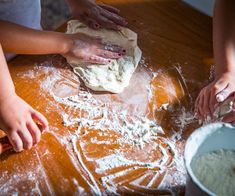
13,139
215,87
92,58
11,130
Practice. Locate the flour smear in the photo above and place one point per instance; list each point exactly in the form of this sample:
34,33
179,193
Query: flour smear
121,119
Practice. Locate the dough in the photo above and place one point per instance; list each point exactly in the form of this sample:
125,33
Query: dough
216,171
115,76
222,110
225,108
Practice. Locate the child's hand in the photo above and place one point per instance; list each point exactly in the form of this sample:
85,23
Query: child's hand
92,50
17,121
96,16
216,92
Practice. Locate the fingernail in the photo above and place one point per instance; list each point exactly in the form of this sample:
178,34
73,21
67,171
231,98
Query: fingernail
220,98
17,150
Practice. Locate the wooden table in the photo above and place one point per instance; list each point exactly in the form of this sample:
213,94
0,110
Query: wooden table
177,50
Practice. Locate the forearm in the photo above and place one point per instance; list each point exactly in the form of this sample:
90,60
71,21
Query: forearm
6,85
21,40
224,36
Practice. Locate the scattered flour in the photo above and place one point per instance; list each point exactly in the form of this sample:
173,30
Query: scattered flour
8,183
100,116
82,110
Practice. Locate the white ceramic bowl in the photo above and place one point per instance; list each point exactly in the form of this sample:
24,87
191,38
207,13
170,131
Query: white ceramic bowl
208,138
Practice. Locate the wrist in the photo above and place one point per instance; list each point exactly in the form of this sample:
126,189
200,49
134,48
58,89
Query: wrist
66,43
225,65
226,74
7,96
225,70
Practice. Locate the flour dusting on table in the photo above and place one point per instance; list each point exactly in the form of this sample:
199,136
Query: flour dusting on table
141,143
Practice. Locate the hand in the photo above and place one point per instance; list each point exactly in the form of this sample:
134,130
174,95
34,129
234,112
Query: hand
213,94
96,16
91,50
17,121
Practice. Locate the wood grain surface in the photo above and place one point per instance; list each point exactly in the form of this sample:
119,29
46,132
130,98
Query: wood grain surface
176,42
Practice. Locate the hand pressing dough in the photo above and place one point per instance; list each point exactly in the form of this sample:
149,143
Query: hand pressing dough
115,76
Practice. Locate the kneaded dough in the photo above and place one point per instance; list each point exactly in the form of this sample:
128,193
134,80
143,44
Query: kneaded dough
222,110
225,108
115,76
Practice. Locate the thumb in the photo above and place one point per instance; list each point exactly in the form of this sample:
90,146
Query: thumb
41,119
224,94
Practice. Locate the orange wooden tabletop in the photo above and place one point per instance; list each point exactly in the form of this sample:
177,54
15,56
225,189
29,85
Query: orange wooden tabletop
176,42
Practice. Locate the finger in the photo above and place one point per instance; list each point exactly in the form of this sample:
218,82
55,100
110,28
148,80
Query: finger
218,88
26,138
106,23
196,106
205,103
97,60
229,118
114,18
41,119
212,103
114,48
90,22
34,131
200,105
224,94
110,8
16,141
108,54
98,39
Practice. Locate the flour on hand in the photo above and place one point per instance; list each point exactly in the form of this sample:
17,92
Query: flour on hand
222,110
115,76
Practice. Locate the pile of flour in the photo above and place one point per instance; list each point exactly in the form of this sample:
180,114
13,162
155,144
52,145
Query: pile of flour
216,171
